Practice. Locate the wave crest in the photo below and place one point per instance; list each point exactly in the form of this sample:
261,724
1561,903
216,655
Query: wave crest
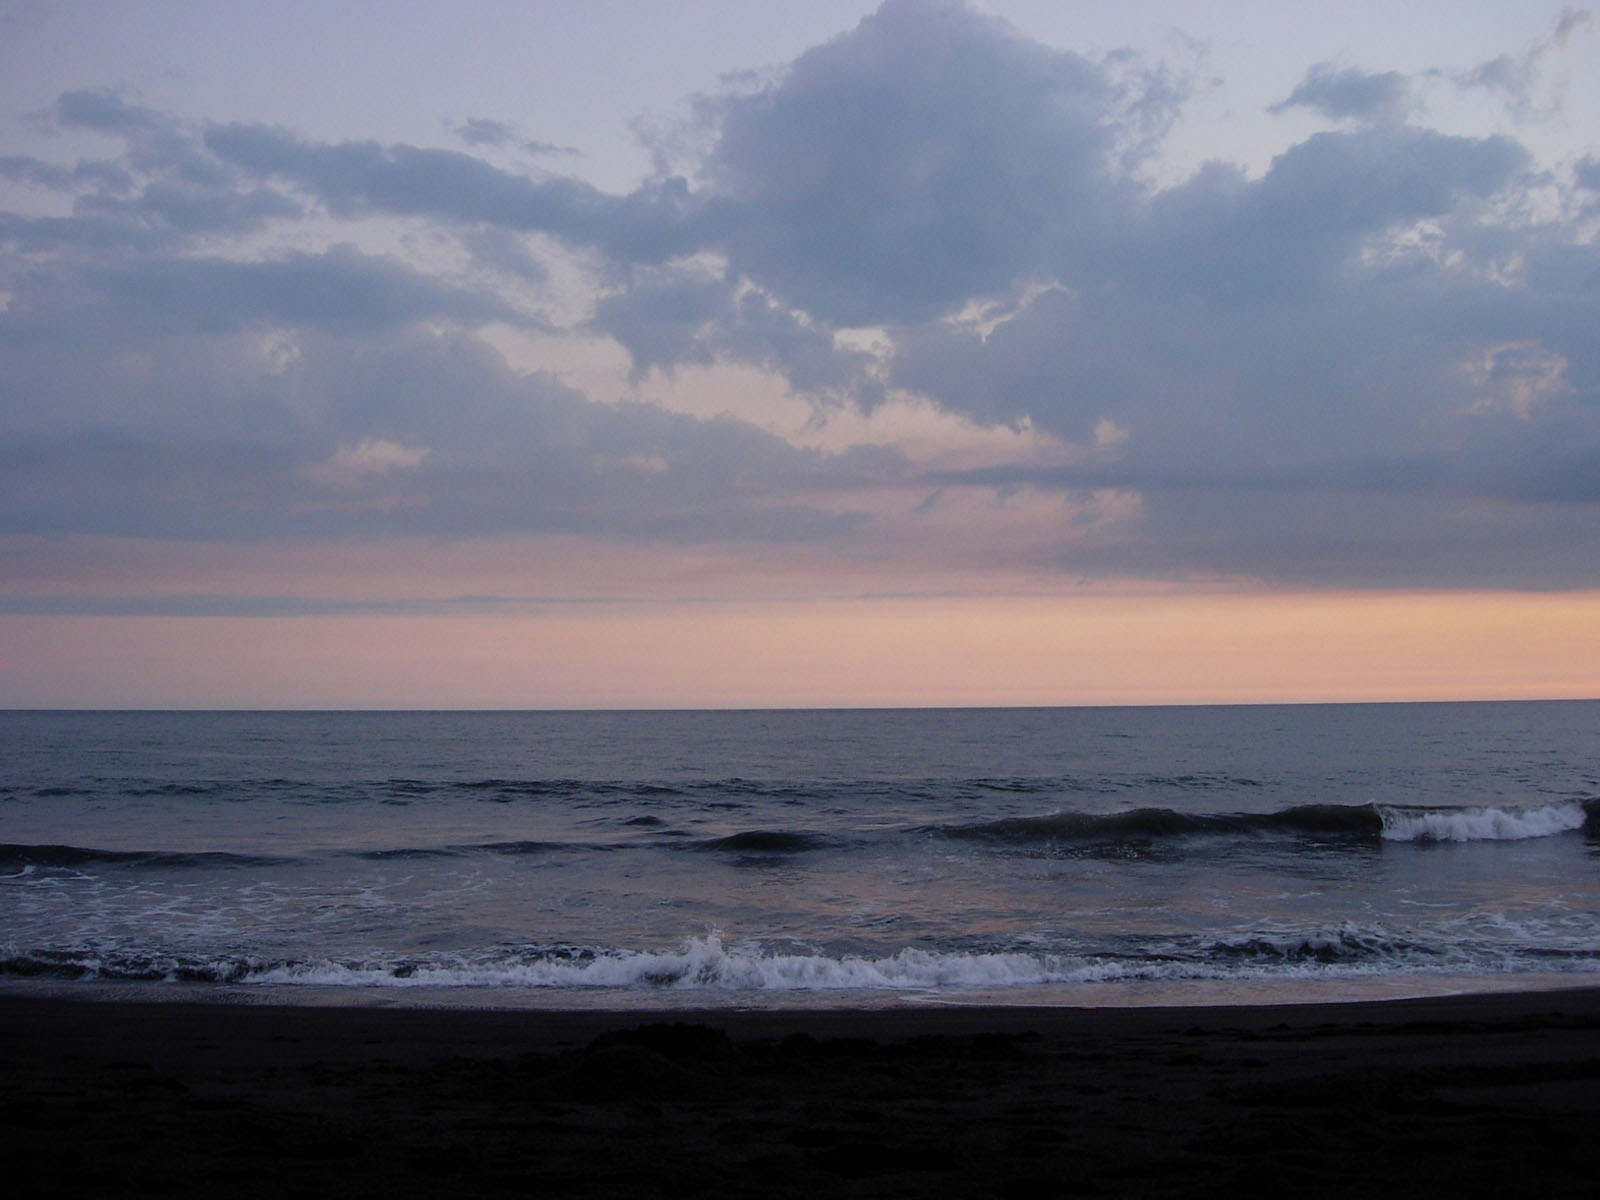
1329,822
1336,820
52,855
1485,824
768,841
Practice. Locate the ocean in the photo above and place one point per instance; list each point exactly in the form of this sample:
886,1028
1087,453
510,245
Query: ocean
855,858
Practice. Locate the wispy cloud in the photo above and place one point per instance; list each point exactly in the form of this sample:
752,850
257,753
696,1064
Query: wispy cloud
1516,77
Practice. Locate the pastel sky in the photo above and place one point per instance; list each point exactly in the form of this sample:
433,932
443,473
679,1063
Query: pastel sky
712,353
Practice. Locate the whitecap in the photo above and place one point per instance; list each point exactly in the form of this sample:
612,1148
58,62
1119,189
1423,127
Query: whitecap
1483,824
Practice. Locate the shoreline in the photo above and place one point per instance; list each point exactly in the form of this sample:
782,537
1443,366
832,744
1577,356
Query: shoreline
156,1013
674,1002
110,1018
1486,1091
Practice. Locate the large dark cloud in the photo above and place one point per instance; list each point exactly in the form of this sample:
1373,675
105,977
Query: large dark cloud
1233,299
929,156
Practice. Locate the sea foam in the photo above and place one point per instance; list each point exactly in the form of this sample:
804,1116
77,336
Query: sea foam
707,964
1488,824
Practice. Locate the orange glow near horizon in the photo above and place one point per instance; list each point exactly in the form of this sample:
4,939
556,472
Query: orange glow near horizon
1024,650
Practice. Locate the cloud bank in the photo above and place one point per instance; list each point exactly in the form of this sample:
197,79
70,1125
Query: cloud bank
1371,364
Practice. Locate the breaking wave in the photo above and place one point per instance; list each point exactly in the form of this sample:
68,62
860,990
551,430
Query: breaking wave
1486,824
707,964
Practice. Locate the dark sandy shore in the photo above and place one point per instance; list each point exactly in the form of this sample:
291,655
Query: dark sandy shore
1469,1095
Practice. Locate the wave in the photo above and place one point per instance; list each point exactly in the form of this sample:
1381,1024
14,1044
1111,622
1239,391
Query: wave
531,847
1345,944
1333,822
507,789
1358,821
707,964
538,789
508,849
26,855
766,841
1489,823
1363,824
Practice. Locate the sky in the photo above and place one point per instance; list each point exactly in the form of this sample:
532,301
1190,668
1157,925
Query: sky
715,354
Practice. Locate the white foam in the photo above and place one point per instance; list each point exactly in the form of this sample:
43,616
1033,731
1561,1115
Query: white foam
705,964
1491,824
709,967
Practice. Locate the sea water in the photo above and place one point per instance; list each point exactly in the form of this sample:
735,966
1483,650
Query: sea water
631,858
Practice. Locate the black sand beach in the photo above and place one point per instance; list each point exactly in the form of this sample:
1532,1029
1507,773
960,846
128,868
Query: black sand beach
1474,1094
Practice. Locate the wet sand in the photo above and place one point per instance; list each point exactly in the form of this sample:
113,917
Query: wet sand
1473,1094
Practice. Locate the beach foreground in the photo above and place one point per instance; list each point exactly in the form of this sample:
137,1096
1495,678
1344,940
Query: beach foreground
1478,1093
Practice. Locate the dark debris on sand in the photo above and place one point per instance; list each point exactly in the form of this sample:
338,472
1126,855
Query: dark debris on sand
685,1110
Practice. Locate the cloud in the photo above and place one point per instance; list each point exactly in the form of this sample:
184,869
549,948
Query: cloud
170,379
186,209
105,111
501,135
162,194
481,131
102,176
366,461
1347,92
1586,177
155,141
1319,201
337,290
394,433
1371,362
1214,282
1515,78
686,316
354,179
1319,371
661,322
504,252
931,155
1518,376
